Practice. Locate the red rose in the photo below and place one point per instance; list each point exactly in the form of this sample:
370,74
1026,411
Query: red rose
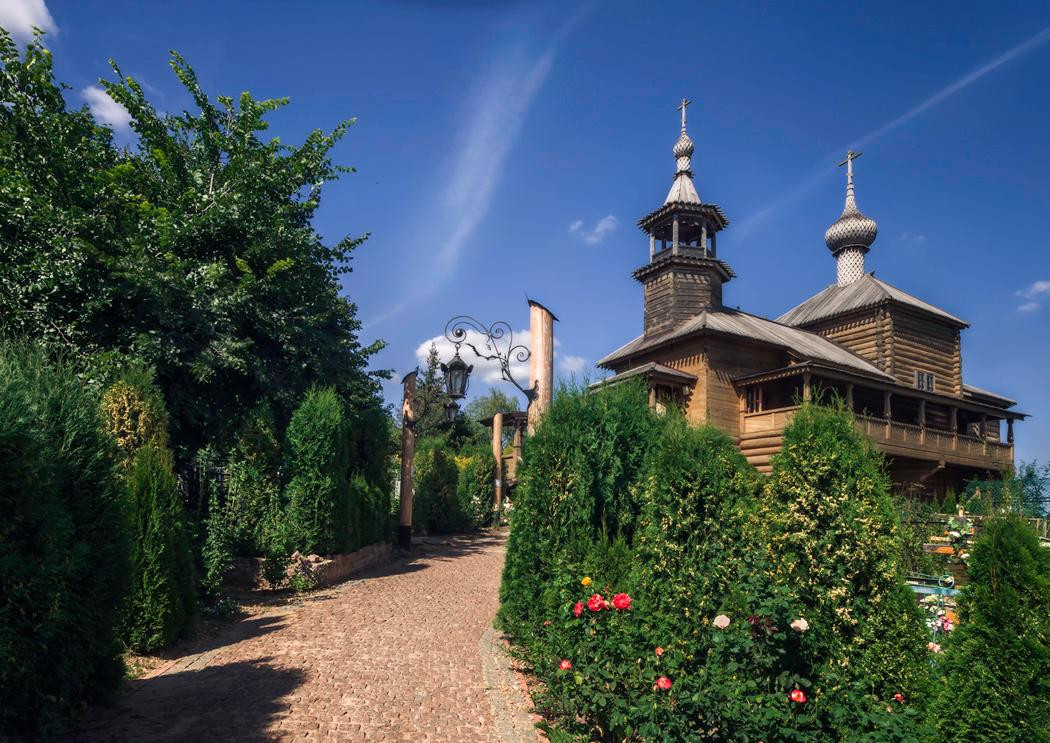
899,697
578,609
663,683
622,601
659,651
596,602
797,696
565,665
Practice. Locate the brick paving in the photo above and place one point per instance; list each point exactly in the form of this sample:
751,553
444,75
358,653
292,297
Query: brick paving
394,656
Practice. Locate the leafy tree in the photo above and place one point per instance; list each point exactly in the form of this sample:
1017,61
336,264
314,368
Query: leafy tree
193,251
431,398
1025,492
996,664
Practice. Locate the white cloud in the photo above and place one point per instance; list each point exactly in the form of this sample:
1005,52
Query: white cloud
1028,307
1038,288
484,369
572,364
105,109
604,226
19,17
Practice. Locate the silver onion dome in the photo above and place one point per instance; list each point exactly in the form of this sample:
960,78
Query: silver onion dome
852,228
683,147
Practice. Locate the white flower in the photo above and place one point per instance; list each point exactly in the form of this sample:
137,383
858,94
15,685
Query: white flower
800,625
954,534
721,621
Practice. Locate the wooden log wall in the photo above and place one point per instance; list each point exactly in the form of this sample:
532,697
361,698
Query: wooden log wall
924,344
859,332
726,359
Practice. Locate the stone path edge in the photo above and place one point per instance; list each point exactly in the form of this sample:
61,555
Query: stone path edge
507,692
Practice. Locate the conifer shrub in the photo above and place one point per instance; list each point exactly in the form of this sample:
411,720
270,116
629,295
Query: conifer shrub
162,600
995,667
64,566
575,497
319,507
435,506
476,486
834,547
163,591
254,505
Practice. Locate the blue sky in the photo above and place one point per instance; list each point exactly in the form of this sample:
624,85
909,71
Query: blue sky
506,150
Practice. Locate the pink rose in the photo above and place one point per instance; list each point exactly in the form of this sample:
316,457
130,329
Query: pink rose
721,621
622,601
663,683
578,609
596,602
565,665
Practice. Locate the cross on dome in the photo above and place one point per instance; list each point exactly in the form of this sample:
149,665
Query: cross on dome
681,107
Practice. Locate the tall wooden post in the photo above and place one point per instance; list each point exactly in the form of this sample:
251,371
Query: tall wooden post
408,453
541,362
1009,430
807,386
497,453
674,236
953,423
887,410
849,396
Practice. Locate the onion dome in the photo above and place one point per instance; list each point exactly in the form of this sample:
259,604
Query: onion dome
682,189
853,229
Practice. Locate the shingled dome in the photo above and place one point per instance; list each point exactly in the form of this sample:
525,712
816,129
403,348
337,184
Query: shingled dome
853,229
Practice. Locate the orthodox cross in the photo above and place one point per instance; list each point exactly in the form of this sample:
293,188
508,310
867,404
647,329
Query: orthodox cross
681,108
848,162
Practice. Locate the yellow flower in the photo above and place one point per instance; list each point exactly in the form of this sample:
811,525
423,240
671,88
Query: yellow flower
586,580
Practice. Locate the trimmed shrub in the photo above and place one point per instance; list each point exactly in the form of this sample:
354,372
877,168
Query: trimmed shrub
835,547
996,664
476,486
435,507
64,568
253,506
574,498
133,412
319,508
162,597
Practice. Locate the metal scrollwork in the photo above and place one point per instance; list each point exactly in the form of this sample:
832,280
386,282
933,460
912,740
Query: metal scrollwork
499,346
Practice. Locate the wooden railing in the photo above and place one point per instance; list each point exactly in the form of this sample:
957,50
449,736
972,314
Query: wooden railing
894,433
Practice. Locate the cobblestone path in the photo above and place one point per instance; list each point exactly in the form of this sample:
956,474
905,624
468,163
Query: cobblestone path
392,655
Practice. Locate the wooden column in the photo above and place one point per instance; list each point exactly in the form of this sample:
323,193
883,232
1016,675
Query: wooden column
652,246
887,410
408,453
953,423
922,421
1010,430
674,237
849,396
541,362
984,425
652,396
703,237
807,386
497,454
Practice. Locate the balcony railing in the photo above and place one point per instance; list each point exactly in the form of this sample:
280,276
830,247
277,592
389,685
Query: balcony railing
895,434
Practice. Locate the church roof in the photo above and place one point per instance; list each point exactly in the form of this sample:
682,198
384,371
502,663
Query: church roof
660,371
976,393
737,323
866,291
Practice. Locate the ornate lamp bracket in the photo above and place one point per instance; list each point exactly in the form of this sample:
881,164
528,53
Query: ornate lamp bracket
498,346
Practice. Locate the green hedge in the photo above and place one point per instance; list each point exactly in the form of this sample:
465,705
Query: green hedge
720,566
476,486
996,664
435,505
163,592
64,569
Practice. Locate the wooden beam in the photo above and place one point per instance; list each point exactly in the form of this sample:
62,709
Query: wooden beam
849,396
674,237
497,454
807,386
541,362
1009,430
408,453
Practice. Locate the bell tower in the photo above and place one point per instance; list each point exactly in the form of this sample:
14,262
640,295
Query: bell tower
684,276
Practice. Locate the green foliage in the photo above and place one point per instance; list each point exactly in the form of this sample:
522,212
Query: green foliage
193,251
996,664
64,569
430,399
950,503
319,506
476,486
435,505
217,550
1025,492
834,545
133,411
163,591
254,506
575,494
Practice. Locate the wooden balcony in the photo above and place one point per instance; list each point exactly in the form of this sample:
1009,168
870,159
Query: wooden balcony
762,436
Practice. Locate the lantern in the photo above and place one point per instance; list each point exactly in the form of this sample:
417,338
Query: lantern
457,374
451,411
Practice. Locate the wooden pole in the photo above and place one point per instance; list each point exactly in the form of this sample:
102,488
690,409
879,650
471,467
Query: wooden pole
541,362
408,453
674,237
807,386
497,453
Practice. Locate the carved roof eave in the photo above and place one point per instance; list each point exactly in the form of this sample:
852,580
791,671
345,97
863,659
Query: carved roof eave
842,373
689,261
711,211
652,372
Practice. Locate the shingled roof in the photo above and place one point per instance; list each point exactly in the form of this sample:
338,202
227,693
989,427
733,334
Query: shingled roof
866,291
742,324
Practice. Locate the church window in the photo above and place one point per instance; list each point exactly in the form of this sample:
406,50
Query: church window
924,381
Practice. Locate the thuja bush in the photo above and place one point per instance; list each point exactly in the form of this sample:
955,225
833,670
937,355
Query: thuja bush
163,591
996,664
833,545
64,568
253,504
575,498
435,507
318,493
162,602
476,486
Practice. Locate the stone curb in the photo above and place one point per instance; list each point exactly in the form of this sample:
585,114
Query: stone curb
508,695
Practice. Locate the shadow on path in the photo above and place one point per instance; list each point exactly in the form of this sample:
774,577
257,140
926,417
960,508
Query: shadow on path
238,700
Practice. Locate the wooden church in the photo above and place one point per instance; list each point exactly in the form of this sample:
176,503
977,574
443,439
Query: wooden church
895,359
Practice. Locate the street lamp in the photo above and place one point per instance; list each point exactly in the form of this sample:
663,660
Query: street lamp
451,411
457,375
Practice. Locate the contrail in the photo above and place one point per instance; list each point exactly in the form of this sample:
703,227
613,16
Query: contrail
825,165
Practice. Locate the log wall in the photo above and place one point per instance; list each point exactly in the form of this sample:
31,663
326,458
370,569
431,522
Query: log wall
924,344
